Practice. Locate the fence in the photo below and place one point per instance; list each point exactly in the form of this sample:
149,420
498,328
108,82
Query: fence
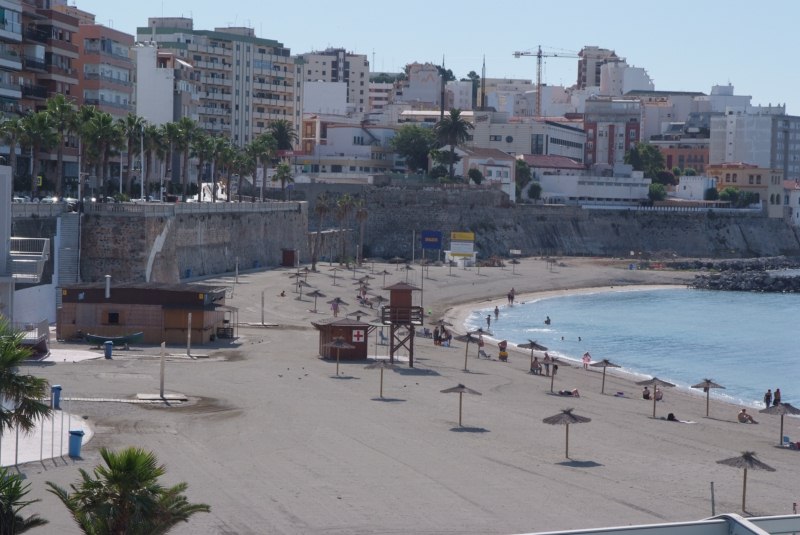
168,210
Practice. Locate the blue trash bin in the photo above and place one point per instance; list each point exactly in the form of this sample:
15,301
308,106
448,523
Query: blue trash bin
108,348
55,395
75,441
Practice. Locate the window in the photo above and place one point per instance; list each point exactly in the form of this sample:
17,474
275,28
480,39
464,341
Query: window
113,318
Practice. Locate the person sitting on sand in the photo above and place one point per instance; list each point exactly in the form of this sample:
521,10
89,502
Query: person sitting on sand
572,393
536,366
646,393
671,418
745,418
283,293
659,395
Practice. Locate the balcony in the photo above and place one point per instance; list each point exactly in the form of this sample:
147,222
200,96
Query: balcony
107,79
27,258
107,103
34,91
33,64
37,35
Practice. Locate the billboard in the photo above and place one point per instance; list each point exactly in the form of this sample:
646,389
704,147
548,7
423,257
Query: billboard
431,239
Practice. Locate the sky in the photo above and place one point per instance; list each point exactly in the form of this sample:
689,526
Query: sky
685,45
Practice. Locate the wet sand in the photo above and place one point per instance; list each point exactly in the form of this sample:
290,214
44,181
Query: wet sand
275,443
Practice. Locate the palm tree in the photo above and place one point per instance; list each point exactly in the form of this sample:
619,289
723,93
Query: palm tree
203,147
264,147
188,129
452,130
322,207
103,136
86,152
22,393
37,135
64,120
243,164
10,133
172,135
344,205
12,492
361,216
132,127
283,174
154,148
221,159
125,496
284,134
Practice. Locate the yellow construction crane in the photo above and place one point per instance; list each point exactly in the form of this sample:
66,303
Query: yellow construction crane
539,55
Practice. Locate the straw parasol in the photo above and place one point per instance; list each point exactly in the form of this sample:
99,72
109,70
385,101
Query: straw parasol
300,286
378,299
783,409
605,363
654,382
382,365
408,268
747,461
338,344
397,260
707,385
384,273
513,263
441,322
466,338
335,271
461,390
565,417
532,345
315,294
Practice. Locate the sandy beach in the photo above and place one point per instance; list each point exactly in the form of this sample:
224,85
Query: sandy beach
275,443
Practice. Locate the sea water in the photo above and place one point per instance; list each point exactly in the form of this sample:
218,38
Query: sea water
746,342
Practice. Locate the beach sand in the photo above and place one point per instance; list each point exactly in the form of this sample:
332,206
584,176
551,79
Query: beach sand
276,444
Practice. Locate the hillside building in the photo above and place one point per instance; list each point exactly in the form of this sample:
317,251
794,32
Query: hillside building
339,65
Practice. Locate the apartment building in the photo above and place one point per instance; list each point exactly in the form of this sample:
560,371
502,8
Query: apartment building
590,62
767,184
245,82
764,136
339,65
380,96
517,136
165,86
103,67
613,127
10,56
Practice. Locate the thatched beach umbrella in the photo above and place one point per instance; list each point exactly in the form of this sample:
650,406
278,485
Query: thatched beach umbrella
461,390
397,260
378,300
335,271
383,365
315,294
384,273
358,313
408,268
466,338
565,417
605,363
532,345
707,385
783,409
300,286
746,461
654,382
514,263
338,344
441,322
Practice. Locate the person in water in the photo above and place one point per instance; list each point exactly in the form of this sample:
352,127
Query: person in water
547,321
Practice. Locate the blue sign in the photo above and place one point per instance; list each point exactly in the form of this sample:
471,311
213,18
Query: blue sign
431,239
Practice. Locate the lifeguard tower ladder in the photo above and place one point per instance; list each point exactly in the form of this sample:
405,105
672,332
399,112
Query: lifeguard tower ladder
402,318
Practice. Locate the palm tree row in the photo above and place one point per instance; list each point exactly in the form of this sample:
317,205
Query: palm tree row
168,147
341,208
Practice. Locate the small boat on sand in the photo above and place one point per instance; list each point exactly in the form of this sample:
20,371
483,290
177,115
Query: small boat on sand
124,340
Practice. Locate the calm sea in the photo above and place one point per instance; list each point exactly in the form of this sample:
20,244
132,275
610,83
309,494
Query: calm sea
746,342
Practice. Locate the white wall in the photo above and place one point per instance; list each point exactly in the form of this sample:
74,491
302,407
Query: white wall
579,189
325,97
694,187
154,87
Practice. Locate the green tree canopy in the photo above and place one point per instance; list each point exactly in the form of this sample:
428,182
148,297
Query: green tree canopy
12,502
522,174
475,175
657,192
413,142
535,191
125,497
22,393
711,194
452,130
646,158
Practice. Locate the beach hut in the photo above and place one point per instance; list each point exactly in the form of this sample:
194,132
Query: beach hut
352,331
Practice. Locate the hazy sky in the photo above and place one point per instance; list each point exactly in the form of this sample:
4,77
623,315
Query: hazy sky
686,45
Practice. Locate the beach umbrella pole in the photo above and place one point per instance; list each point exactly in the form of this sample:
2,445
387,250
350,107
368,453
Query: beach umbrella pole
552,380
466,352
337,362
744,488
780,438
460,403
531,368
381,382
567,451
654,402
603,385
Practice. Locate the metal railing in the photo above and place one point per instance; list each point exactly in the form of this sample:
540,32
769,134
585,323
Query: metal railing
170,209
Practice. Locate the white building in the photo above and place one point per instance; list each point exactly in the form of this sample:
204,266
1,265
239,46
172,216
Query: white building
693,188
594,190
380,96
339,65
618,78
791,200
164,90
325,97
527,136
496,166
423,86
458,95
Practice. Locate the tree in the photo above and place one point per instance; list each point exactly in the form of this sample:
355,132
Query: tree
657,192
522,173
283,174
646,158
64,119
322,207
22,393
10,133
535,191
37,135
729,194
223,156
413,142
187,129
344,205
132,127
264,148
102,135
284,134
124,497
690,171
155,148
666,178
711,194
475,78
202,148
475,175
452,130
677,171
361,215
12,494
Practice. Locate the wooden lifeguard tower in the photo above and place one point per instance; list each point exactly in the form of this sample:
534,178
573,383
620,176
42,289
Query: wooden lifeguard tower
402,318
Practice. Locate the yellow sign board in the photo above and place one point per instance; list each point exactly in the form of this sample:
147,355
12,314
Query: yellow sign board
462,236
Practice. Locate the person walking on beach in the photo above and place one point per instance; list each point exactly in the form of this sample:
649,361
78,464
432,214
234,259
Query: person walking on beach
587,358
776,399
436,336
496,313
488,321
546,361
768,398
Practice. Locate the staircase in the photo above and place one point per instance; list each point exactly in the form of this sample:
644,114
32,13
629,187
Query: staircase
69,234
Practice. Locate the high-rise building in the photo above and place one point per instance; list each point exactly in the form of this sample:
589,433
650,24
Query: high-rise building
613,127
338,65
591,60
10,60
245,82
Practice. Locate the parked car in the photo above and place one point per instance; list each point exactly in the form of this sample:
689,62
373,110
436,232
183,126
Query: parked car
17,200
